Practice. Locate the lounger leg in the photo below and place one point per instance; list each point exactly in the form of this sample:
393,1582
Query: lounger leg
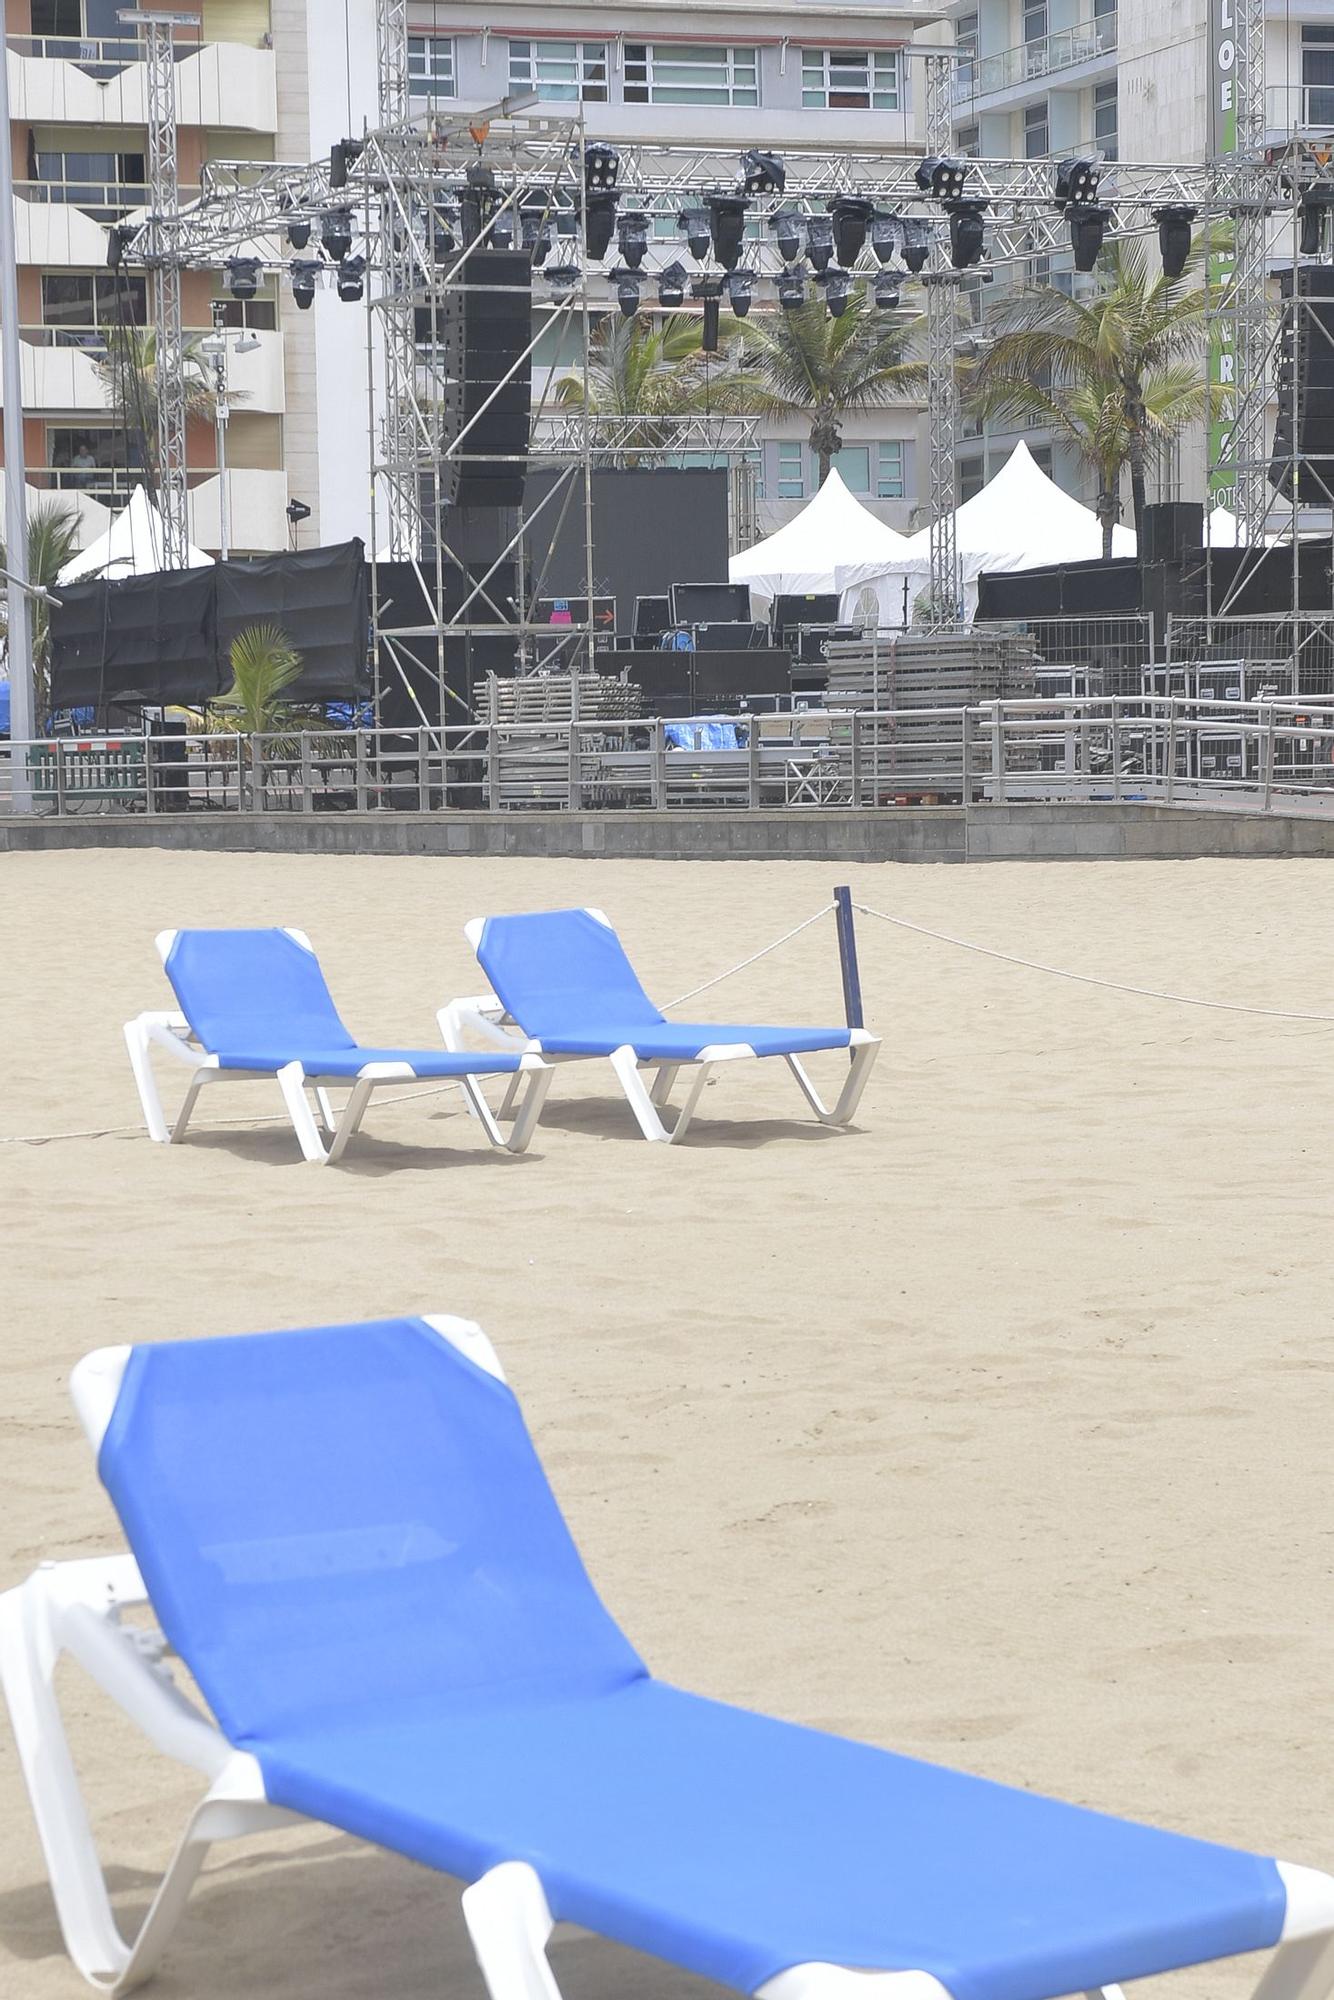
353,1113
328,1116
854,1084
529,1111
136,1041
509,1923
1301,1970
292,1083
644,1103
511,1093
662,1084
193,1088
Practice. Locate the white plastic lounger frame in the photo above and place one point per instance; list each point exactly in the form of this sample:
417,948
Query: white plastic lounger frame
75,1608
485,1017
171,1031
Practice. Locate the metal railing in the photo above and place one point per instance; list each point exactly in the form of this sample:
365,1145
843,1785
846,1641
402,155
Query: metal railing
99,56
1289,106
979,76
1275,754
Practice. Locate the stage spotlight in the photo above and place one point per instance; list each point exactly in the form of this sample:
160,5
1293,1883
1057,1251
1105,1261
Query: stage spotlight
341,155
944,178
1316,204
336,232
791,290
852,215
351,273
672,284
966,233
886,290
627,290
740,292
727,226
762,173
567,222
886,237
304,273
562,279
1174,236
298,232
916,247
693,224
599,221
632,236
837,291
535,223
820,241
1088,227
1077,181
709,292
502,230
602,165
243,277
443,240
786,228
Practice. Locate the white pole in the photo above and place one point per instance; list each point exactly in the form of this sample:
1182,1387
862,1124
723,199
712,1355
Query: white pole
22,723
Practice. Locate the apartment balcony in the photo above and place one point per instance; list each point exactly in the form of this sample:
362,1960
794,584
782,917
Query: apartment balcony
61,82
258,502
1306,109
60,371
1068,56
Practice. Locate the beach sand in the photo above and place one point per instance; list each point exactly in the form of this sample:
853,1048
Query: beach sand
997,1430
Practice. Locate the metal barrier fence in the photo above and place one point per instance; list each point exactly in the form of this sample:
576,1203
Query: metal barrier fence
1259,755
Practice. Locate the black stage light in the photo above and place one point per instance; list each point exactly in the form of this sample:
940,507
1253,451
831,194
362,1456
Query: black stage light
336,232
727,226
599,221
886,237
709,291
693,224
966,233
740,292
852,215
602,165
243,277
478,200
567,222
820,241
304,273
502,230
672,284
351,272
341,155
1316,204
837,291
762,173
536,226
444,242
1077,181
632,236
786,228
886,290
562,279
916,242
944,178
791,290
298,232
627,290
1088,227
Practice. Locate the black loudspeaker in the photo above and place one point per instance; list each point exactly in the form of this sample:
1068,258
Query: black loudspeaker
1169,528
487,325
1303,456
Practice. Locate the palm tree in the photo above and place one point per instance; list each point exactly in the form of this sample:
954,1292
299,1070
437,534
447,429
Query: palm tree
805,362
645,367
53,537
264,664
1119,374
128,374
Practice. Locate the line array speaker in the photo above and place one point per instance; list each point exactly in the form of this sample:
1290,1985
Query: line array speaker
1303,456
487,325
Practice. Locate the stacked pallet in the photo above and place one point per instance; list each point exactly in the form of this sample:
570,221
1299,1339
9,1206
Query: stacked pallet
530,716
919,755
557,699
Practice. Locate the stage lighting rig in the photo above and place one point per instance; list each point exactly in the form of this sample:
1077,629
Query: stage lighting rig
1088,229
886,290
535,227
916,247
693,224
304,273
632,236
851,215
336,233
886,237
243,277
351,280
298,231
599,222
820,241
672,284
727,226
967,233
602,166
837,290
709,292
1077,181
740,292
943,178
786,231
791,290
562,278
626,282
762,173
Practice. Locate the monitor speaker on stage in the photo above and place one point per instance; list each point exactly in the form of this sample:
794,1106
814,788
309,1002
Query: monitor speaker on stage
1169,528
487,327
1302,464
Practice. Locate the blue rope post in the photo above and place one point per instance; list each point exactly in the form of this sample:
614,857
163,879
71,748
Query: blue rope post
847,959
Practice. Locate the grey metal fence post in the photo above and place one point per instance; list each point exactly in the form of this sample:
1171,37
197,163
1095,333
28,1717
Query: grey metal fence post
997,755
574,790
966,757
1116,748
150,786
307,789
61,806
492,768
1267,757
1171,749
361,773
856,772
423,771
753,763
658,772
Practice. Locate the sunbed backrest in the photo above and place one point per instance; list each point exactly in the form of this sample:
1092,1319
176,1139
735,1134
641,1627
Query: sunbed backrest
344,1521
562,971
255,990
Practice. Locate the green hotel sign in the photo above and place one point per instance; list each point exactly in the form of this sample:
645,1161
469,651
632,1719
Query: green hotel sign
1222,140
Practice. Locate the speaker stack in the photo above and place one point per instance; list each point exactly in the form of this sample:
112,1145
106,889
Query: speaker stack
1302,463
487,326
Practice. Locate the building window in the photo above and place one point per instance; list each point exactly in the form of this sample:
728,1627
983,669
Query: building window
791,471
1035,21
560,72
965,41
853,466
890,480
431,66
690,73
105,184
1104,118
88,459
968,141
972,478
1041,457
81,306
850,79
1037,139
1317,76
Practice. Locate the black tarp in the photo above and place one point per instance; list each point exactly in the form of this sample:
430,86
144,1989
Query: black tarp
165,637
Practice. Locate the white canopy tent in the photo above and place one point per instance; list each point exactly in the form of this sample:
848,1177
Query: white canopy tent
131,546
832,528
1020,520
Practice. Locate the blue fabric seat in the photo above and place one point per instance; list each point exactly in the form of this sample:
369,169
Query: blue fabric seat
564,977
348,1537
257,1000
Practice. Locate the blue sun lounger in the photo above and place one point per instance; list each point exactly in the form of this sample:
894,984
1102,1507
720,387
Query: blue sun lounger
254,1003
562,978
346,1536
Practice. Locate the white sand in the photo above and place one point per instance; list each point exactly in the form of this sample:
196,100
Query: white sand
998,1430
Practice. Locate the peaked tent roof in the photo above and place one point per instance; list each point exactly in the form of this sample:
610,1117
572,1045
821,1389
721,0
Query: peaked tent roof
832,528
1022,519
131,546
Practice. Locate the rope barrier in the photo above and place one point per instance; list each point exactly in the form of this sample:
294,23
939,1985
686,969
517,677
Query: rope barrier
1089,978
754,958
